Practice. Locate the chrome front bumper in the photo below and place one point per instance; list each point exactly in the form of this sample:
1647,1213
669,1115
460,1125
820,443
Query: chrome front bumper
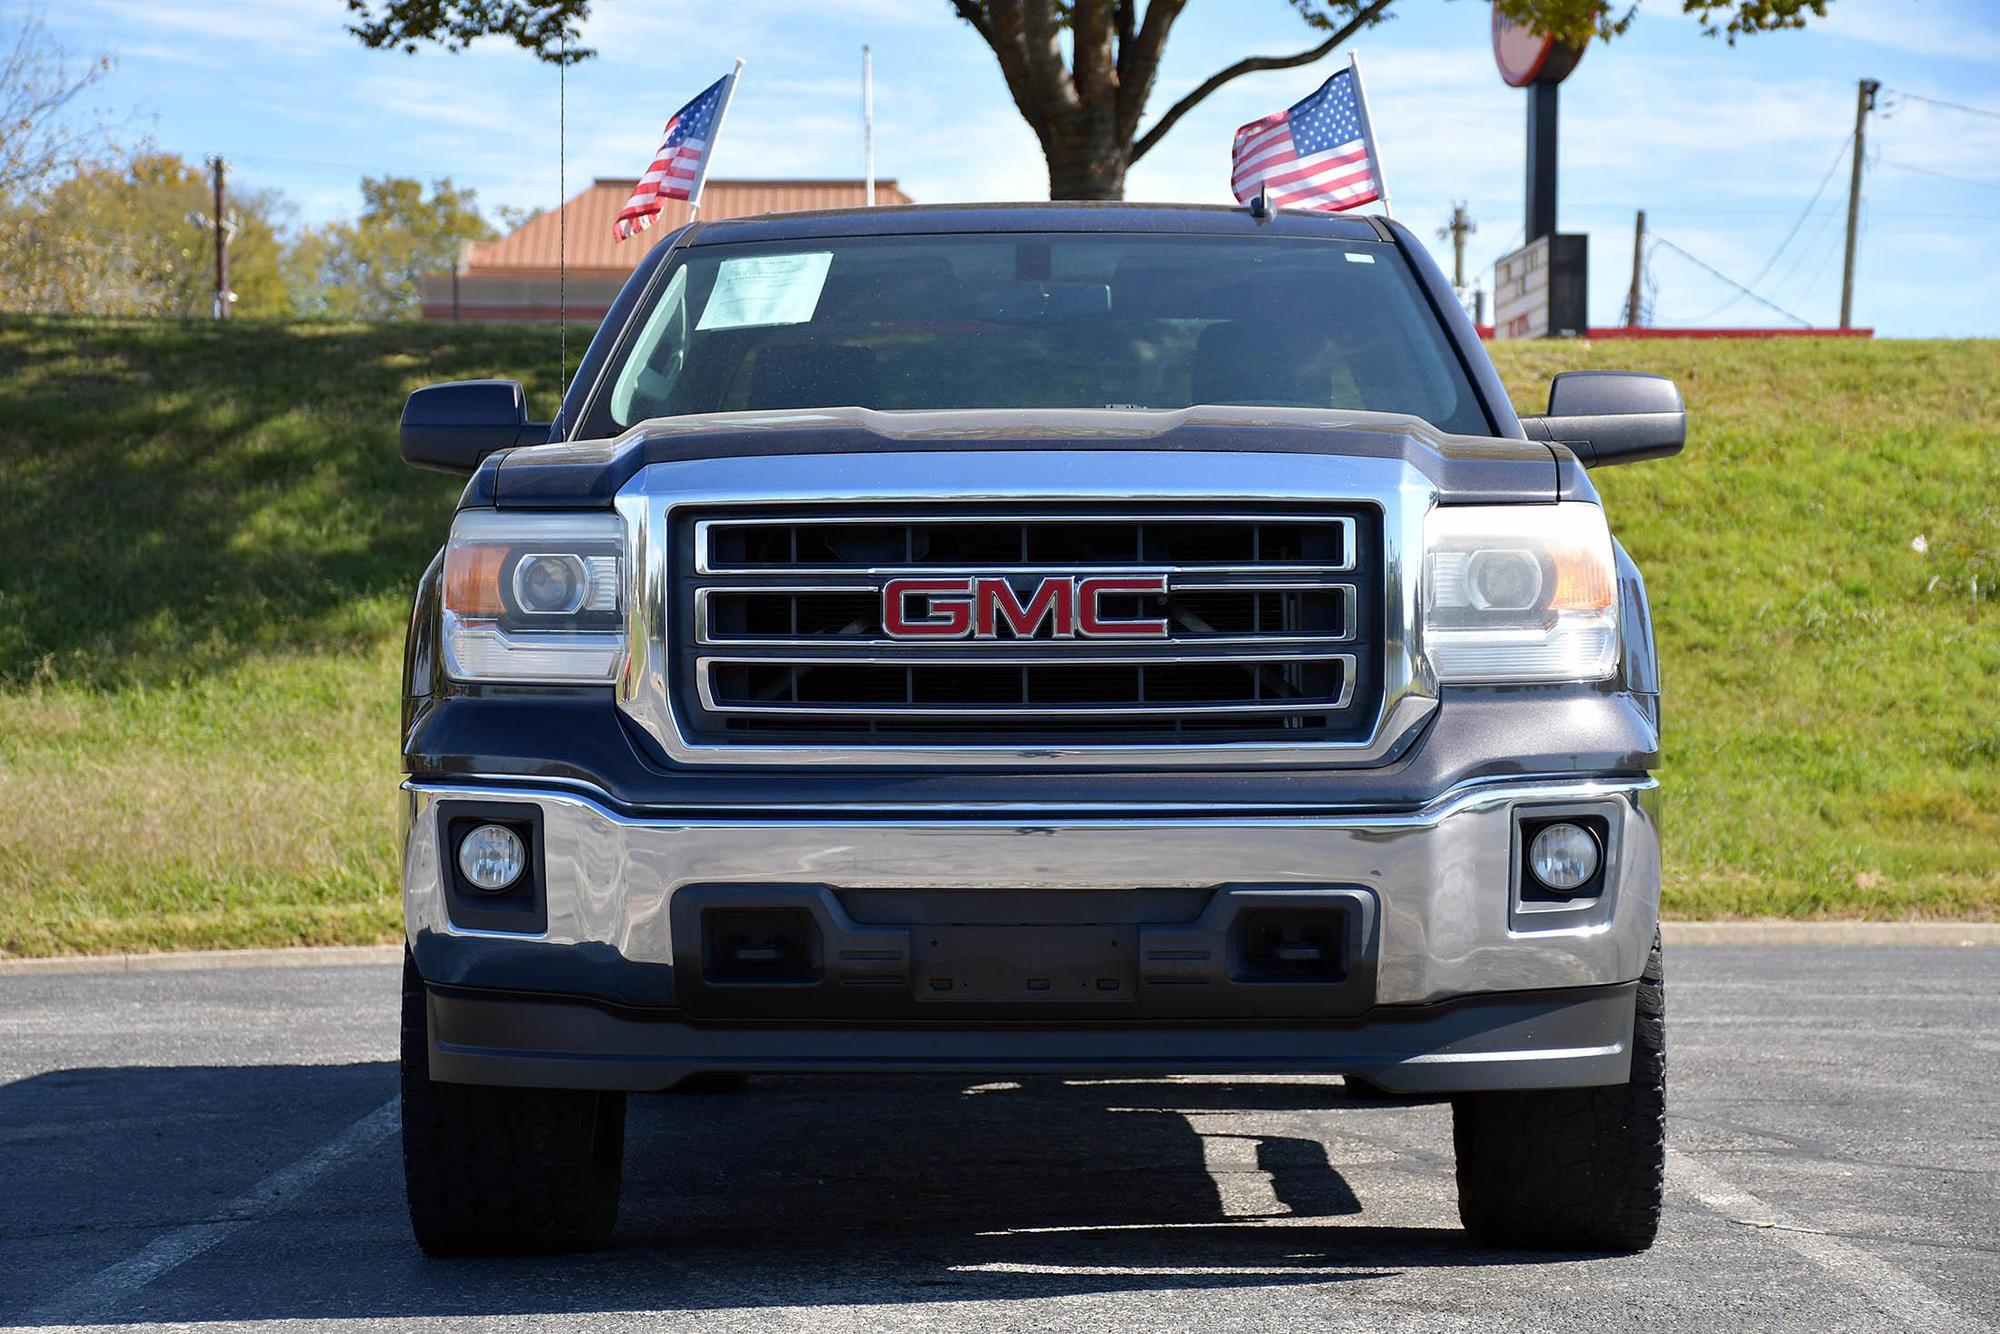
1443,879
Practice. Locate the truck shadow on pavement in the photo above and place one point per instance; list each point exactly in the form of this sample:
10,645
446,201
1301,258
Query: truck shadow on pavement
794,1192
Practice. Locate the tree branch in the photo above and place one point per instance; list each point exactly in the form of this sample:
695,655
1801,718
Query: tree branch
973,13
1139,62
1041,45
1091,31
1002,26
1251,65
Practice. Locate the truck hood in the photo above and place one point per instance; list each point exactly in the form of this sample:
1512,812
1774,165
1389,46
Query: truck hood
1465,469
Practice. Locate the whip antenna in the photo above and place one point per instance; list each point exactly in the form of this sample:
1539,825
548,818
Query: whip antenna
562,221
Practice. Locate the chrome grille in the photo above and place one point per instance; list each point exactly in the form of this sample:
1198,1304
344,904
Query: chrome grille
1272,626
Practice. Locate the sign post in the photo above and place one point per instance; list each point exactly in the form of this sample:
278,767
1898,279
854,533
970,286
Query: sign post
1540,290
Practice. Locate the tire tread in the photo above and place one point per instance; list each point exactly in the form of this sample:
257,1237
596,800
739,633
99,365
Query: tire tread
1572,1169
503,1170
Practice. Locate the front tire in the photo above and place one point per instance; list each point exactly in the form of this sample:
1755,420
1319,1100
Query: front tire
1572,1169
495,1171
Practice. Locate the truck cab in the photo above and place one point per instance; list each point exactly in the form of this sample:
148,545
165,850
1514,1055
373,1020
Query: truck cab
1033,640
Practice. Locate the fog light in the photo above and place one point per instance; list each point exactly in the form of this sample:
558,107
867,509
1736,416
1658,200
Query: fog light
1563,856
492,857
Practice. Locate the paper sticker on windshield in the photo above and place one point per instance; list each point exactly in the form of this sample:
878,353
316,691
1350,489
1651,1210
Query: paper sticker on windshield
766,289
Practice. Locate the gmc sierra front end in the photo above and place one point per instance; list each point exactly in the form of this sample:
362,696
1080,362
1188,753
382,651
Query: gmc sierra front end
1033,640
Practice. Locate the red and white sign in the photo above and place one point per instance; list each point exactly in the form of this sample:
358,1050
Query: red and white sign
975,606
1526,56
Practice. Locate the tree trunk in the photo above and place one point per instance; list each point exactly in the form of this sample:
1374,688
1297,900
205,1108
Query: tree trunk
1087,165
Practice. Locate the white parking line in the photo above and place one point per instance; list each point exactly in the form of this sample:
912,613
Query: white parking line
97,1296
1886,1287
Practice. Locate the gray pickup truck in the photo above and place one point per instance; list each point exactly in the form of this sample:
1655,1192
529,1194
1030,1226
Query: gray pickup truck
1033,640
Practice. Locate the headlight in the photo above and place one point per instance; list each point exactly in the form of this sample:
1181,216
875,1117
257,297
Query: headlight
1520,593
534,597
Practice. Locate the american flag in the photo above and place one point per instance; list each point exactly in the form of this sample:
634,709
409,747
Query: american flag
682,161
1316,154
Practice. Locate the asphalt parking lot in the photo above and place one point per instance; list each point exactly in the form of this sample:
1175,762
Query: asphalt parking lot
217,1148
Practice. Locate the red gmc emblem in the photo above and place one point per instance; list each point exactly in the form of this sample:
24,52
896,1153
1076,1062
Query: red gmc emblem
975,606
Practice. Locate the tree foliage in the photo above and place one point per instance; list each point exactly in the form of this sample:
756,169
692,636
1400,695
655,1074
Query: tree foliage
40,135
1579,21
549,30
113,238
368,269
89,227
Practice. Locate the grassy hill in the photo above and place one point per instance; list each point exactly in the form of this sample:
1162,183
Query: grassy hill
207,541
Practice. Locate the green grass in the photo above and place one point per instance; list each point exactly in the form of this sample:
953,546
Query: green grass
1832,696
207,543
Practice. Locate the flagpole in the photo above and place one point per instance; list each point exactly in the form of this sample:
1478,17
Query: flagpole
1368,133
714,135
868,123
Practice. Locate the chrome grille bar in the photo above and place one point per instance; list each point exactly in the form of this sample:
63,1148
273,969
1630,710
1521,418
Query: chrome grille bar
708,634
705,674
707,531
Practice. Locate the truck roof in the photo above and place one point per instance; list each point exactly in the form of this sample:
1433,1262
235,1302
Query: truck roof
913,219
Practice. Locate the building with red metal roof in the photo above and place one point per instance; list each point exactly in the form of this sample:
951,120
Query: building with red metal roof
516,277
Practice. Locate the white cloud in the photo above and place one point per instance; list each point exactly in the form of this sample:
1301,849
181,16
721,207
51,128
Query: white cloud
1917,27
291,25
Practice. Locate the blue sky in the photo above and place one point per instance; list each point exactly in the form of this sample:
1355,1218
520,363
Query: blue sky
1723,147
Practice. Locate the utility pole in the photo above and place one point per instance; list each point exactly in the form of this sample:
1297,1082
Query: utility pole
1864,102
1460,227
1633,309
218,168
868,120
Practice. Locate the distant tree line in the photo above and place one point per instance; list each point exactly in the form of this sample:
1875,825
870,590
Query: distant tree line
92,224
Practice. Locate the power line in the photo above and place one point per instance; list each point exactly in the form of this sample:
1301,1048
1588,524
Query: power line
1839,156
1713,272
1493,265
1704,213
1831,167
1826,258
1941,175
1940,102
1805,252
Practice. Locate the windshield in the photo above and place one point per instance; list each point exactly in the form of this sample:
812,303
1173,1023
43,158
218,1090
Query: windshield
1041,320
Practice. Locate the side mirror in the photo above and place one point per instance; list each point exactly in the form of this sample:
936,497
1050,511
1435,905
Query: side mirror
451,427
1612,416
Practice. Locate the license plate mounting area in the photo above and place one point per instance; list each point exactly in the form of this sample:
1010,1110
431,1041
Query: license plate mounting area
1069,964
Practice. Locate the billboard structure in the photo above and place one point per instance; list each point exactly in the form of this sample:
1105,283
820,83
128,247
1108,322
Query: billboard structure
1541,290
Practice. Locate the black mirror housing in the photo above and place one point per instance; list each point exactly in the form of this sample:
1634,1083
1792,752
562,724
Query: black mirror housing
451,427
1612,417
